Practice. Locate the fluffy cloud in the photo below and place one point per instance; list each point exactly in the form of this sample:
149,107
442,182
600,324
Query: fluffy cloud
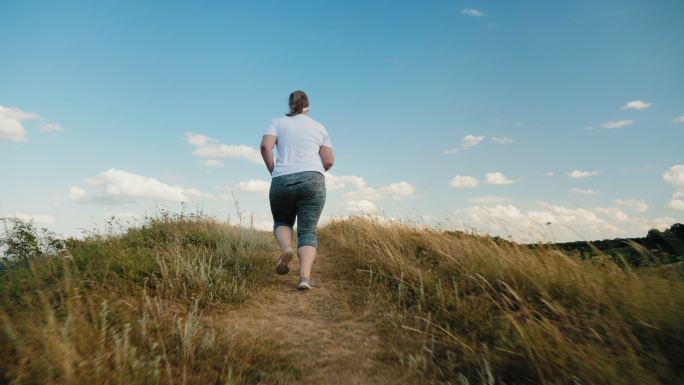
497,178
467,142
398,190
472,12
119,186
44,219
636,105
617,123
502,140
634,204
76,193
206,147
677,201
583,192
363,197
675,177
550,222
577,174
679,119
12,129
470,141
10,123
335,182
362,206
255,185
464,181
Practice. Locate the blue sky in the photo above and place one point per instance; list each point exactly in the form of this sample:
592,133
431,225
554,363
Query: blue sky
495,116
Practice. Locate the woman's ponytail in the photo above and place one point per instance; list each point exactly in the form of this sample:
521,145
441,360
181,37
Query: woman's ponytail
298,102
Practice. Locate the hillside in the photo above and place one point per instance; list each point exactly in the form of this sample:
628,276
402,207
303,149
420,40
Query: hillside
189,300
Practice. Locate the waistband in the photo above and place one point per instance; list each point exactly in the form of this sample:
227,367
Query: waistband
298,175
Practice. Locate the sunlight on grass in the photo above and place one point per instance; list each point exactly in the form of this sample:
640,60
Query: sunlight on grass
483,310
130,308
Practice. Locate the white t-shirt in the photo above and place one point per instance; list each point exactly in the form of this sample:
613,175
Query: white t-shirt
299,141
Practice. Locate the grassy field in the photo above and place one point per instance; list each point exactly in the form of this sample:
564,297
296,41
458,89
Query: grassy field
145,307
467,309
134,308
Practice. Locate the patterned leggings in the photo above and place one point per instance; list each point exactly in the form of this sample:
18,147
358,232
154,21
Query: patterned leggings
300,195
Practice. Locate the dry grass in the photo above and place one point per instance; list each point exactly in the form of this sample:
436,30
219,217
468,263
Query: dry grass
147,306
131,309
467,309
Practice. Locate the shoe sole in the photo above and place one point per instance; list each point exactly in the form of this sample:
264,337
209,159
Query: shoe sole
281,267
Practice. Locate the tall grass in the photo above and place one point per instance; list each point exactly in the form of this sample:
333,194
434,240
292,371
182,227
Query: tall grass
136,308
468,309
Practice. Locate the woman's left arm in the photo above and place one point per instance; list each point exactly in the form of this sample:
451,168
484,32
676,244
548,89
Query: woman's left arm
267,144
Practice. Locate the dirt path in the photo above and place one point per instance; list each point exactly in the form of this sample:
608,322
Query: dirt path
336,344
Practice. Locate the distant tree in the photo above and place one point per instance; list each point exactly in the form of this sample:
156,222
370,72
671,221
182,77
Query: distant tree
21,241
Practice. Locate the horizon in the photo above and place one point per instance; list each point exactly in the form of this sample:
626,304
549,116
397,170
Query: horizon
531,121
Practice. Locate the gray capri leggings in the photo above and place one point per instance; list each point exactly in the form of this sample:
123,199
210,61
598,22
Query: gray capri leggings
300,195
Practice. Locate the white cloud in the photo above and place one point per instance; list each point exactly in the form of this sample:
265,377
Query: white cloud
398,190
550,173
45,219
362,206
583,192
363,197
636,105
497,178
12,129
551,222
119,186
679,119
472,12
255,185
617,123
488,199
470,141
76,193
364,193
577,174
502,140
10,123
206,147
635,204
464,181
50,127
335,182
467,142
675,177
676,202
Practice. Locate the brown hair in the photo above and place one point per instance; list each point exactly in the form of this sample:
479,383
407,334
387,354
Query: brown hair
298,102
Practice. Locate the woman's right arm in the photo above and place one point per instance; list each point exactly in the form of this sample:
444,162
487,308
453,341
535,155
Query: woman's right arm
327,157
267,144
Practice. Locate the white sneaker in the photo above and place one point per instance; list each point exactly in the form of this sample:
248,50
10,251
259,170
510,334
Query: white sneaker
304,284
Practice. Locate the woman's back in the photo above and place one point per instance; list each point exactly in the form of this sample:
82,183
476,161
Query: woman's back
299,139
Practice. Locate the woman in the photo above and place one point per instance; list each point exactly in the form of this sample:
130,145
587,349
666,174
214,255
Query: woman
297,185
